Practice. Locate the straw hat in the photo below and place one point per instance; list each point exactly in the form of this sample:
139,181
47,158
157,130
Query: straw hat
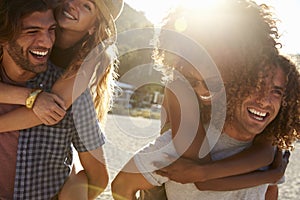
114,6
111,10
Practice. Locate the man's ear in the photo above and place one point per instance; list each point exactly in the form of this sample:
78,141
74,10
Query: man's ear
92,30
3,45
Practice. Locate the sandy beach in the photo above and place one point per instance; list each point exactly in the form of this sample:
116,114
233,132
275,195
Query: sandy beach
125,135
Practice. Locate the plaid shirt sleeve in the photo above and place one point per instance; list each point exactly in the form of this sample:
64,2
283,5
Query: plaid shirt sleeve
89,135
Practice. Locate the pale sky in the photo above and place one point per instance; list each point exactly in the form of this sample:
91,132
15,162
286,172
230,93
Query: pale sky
288,11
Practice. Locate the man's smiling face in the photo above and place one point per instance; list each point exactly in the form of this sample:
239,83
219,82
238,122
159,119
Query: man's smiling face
259,109
31,50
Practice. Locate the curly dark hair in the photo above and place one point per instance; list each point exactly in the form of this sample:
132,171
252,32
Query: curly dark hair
241,38
235,33
285,128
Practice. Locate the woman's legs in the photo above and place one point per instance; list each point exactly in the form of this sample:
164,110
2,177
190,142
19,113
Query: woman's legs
76,187
272,192
128,182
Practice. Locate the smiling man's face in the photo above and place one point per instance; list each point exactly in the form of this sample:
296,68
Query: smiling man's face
259,109
31,50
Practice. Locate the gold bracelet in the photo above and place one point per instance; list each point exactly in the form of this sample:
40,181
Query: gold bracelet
32,97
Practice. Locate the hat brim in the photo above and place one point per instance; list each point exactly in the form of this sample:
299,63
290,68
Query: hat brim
115,7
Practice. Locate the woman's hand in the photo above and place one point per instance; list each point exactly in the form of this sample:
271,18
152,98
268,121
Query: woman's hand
49,108
279,164
182,170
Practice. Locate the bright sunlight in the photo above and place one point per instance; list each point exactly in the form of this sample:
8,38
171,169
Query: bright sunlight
287,11
156,9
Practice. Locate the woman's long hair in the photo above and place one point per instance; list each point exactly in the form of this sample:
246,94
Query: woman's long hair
102,39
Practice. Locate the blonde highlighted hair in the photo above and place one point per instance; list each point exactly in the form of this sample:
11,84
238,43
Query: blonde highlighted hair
102,39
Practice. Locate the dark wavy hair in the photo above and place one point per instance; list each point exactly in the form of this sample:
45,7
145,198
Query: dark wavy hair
12,11
242,39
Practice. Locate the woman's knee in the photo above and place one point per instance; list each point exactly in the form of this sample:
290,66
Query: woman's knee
75,187
121,187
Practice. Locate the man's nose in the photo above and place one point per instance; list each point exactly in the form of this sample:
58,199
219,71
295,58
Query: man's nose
263,100
46,40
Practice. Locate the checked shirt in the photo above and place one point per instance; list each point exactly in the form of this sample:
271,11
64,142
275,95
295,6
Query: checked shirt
44,155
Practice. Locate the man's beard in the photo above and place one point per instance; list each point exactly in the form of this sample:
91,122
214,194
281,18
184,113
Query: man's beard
16,52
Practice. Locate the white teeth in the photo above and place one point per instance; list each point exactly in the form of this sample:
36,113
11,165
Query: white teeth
261,114
69,15
39,53
205,98
258,118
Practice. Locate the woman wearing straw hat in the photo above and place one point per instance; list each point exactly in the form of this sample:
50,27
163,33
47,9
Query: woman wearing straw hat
86,30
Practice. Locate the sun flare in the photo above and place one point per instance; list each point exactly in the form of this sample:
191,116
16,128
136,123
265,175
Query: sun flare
287,12
198,3
155,10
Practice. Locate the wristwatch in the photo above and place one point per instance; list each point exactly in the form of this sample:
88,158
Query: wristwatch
32,97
